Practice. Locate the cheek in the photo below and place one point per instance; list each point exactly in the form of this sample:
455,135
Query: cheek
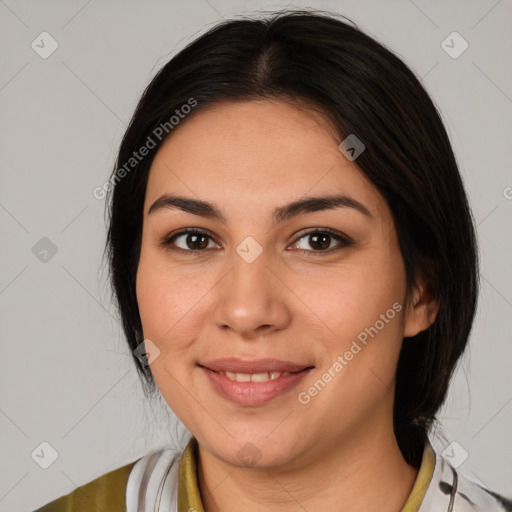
351,298
171,302
157,305
361,309
166,306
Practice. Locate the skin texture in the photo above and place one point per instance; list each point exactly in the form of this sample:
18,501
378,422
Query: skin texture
292,302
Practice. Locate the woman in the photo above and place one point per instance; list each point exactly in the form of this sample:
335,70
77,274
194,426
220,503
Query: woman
294,260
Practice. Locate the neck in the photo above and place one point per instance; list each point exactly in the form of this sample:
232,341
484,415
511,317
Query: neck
364,471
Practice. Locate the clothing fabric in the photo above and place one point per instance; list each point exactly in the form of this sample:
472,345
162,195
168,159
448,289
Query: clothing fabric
166,481
106,494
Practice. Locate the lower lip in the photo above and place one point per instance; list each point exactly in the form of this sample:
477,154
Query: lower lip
253,393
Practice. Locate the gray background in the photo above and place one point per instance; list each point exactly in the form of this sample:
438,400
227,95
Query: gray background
66,376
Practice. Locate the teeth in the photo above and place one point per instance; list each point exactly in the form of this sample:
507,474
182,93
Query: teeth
259,377
253,377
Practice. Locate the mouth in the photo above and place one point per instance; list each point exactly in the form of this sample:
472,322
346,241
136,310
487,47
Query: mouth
253,388
252,377
252,367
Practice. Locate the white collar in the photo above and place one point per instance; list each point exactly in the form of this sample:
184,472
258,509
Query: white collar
153,483
153,487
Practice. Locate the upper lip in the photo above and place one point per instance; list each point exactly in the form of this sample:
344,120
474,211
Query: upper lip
234,365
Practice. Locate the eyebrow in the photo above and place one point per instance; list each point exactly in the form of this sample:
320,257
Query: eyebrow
280,214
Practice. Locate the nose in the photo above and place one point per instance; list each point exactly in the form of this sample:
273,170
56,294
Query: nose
252,301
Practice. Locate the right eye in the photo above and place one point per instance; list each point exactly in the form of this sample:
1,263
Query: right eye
189,241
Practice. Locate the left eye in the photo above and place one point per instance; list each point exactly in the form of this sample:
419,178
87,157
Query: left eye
321,241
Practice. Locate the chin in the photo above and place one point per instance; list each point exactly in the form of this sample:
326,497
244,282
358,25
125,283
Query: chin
258,449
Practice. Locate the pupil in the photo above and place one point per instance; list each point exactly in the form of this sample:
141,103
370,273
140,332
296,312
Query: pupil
192,242
321,240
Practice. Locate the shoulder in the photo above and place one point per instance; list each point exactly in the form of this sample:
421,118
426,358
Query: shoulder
107,492
451,490
142,483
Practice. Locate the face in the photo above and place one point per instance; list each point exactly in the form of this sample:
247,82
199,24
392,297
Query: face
320,285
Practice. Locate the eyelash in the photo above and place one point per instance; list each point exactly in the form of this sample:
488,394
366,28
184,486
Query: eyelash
344,240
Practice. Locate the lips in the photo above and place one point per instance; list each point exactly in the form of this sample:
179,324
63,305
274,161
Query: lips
235,365
253,383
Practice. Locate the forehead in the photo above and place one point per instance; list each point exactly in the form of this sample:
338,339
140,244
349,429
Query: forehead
263,152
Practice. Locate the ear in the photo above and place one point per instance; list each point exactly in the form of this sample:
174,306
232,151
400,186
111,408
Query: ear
421,311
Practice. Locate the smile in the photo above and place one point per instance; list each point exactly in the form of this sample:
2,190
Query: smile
253,377
253,389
